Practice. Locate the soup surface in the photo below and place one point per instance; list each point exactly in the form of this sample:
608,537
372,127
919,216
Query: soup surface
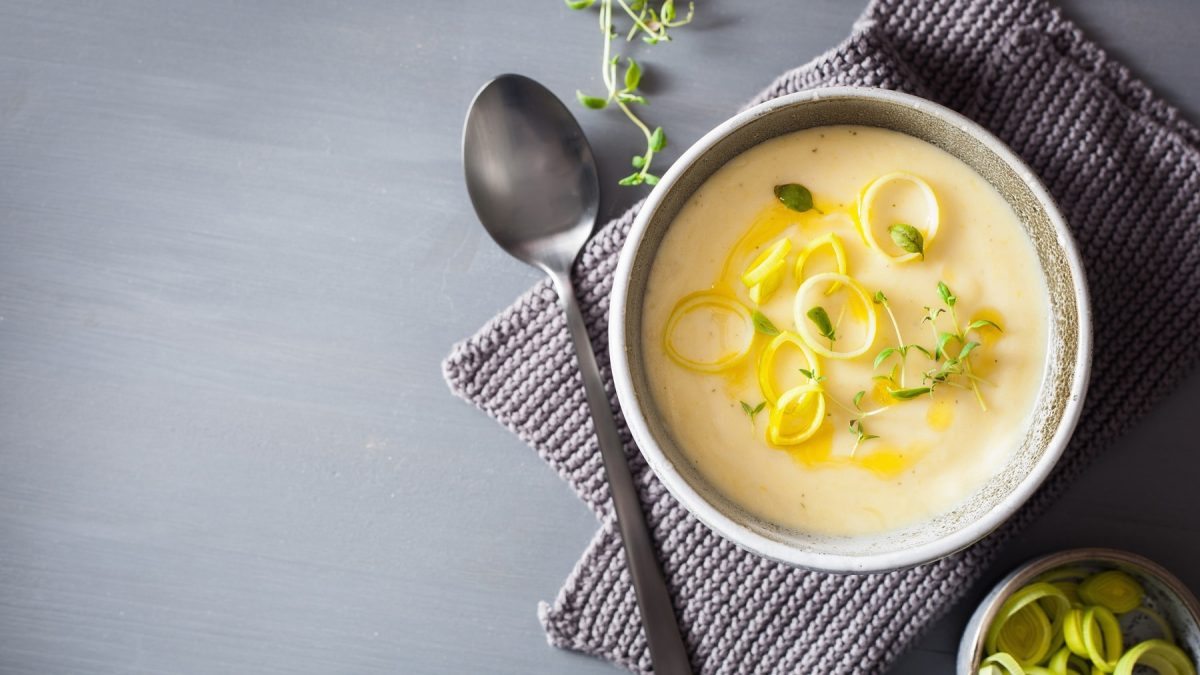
858,402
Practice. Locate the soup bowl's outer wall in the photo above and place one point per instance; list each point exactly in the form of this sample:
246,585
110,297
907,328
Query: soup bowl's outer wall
1068,355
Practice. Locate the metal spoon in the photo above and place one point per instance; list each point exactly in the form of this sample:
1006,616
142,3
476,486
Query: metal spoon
532,180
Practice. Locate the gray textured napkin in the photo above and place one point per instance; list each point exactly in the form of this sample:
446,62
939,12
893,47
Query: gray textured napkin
1122,164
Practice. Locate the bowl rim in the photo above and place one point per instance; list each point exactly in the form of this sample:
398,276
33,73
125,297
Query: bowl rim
740,534
970,646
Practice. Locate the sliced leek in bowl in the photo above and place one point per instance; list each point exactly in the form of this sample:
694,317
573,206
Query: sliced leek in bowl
1084,611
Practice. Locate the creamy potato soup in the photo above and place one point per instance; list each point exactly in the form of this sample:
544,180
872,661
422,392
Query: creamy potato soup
845,330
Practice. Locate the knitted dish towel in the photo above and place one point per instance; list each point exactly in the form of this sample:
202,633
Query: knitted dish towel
1125,169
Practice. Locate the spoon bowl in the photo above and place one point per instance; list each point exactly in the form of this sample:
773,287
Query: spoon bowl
530,172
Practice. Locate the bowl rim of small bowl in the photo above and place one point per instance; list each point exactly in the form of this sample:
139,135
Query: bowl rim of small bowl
970,646
738,533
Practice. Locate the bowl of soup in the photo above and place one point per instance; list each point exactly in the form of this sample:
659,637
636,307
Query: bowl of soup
849,330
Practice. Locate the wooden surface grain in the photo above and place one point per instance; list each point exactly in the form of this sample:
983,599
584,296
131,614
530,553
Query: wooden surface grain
235,245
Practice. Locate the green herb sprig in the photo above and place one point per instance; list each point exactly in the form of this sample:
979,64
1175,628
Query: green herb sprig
653,25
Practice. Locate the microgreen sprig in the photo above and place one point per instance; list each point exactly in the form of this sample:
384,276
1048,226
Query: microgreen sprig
901,348
654,25
752,410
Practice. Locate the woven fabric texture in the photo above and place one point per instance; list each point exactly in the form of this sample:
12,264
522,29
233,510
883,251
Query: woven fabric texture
1125,168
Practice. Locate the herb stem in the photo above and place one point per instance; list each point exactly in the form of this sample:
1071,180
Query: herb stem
638,23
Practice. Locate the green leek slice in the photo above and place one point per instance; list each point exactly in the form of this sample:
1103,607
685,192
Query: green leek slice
1114,590
707,299
1159,620
866,202
1032,638
1162,656
1004,663
1102,637
804,328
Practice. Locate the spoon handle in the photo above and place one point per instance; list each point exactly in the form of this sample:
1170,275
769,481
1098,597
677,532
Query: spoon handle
667,650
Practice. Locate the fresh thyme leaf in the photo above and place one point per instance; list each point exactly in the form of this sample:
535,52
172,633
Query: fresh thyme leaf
626,97
980,323
632,179
921,349
820,317
633,74
910,393
942,341
667,11
650,179
763,325
638,161
580,4
908,238
967,349
858,399
880,298
883,356
947,297
658,139
794,196
593,102
758,408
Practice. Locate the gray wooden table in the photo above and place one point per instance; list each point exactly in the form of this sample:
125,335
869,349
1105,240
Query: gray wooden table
235,245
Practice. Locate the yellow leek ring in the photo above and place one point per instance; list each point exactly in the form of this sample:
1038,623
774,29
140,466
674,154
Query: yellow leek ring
1041,644
814,341
1102,637
692,302
833,241
867,200
767,263
999,661
794,399
1160,655
766,361
1114,590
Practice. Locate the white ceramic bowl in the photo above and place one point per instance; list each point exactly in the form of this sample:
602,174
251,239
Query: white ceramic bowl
1068,356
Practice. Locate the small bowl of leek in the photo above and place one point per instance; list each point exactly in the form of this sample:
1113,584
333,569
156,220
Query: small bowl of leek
1084,612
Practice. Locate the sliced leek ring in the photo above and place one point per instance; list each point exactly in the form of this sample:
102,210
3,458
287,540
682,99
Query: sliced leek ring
1003,663
1030,647
694,301
804,328
834,242
1102,637
1064,662
766,363
1114,590
767,263
1162,656
1073,632
1026,635
791,404
867,200
1163,625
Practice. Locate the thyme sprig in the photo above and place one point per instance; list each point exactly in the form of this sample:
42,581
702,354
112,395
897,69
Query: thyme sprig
654,25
